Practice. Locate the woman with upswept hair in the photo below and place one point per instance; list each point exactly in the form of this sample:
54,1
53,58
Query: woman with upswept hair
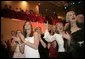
77,39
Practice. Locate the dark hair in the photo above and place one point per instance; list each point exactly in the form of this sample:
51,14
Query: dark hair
14,33
11,39
19,30
80,25
52,33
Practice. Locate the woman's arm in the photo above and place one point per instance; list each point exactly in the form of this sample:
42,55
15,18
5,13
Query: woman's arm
68,37
49,45
36,41
46,34
13,45
46,26
43,43
66,26
21,47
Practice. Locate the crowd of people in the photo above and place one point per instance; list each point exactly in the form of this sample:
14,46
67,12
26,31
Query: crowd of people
62,40
29,15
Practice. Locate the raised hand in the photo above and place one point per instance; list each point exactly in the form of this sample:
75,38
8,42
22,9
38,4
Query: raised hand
21,37
67,36
49,44
66,26
47,25
16,39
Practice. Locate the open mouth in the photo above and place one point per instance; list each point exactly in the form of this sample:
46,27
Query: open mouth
60,28
73,18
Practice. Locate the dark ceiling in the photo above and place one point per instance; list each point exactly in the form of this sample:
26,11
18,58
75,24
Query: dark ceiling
60,7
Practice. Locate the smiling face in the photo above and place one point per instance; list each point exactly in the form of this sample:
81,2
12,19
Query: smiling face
59,27
28,28
18,32
38,29
70,16
28,31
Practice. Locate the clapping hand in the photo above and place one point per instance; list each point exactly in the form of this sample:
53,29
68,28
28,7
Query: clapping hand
47,25
67,36
16,39
66,26
21,37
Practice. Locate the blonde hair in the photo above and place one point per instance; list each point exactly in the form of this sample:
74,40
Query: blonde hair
37,28
68,15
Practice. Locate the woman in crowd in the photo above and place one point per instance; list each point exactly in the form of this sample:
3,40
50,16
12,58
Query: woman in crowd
12,43
63,39
59,35
49,36
31,42
49,33
77,36
17,42
43,50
